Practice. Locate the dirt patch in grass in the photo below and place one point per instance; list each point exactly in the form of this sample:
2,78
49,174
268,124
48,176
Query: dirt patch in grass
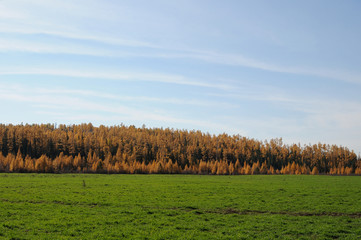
227,211
53,202
254,212
19,201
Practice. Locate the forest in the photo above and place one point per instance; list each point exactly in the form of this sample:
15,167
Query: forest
84,148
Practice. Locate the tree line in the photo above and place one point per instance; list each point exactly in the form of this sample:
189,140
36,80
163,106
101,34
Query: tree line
83,148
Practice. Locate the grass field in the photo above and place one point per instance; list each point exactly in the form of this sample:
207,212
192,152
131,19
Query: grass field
45,206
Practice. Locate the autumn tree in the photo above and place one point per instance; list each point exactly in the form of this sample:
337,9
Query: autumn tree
127,149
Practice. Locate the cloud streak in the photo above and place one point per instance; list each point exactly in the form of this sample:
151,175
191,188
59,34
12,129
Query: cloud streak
122,76
9,89
165,53
44,23
75,105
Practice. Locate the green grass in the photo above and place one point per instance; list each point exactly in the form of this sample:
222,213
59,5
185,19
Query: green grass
47,206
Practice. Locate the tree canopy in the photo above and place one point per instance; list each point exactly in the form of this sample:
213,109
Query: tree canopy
127,149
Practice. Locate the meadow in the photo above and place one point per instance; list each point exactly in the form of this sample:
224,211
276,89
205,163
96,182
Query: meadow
96,206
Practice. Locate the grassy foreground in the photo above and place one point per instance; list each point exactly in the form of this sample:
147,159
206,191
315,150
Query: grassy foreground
46,206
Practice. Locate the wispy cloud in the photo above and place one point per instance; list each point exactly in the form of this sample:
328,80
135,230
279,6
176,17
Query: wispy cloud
19,45
75,105
313,112
9,89
243,61
8,45
37,17
44,23
8,13
124,76
67,34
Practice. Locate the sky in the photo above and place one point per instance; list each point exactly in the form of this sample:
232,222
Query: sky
260,69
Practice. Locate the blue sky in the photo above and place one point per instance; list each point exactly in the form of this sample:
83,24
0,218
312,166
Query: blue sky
262,69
